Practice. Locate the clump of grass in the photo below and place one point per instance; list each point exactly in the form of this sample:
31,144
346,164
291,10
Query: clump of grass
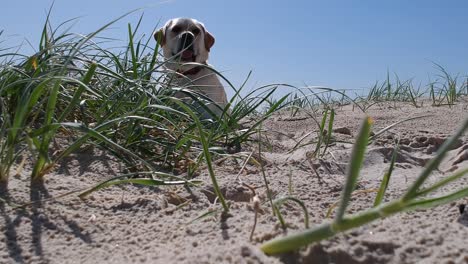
449,89
445,90
76,91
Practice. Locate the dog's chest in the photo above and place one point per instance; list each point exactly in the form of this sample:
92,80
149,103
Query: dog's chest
205,82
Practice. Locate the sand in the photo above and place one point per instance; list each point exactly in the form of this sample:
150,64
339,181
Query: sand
134,224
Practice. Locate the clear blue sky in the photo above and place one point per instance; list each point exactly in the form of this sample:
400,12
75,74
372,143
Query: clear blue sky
340,44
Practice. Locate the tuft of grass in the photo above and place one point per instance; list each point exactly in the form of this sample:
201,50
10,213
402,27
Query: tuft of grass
79,91
445,90
449,85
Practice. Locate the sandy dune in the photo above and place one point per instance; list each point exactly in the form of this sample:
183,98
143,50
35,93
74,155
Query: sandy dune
133,224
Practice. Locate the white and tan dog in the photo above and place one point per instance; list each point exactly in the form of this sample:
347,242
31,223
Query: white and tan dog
185,40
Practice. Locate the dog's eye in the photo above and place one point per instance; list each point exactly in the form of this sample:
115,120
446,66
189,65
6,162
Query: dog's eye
195,31
176,29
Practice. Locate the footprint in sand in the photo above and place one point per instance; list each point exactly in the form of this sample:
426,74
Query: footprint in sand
458,159
427,145
417,151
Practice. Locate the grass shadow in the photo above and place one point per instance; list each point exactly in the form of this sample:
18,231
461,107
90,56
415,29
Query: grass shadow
10,233
21,250
85,159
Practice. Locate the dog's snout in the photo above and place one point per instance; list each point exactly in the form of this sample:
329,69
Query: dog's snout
186,40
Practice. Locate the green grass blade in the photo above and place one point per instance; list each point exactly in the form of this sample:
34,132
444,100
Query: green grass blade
326,230
26,104
77,96
432,202
357,158
132,52
204,215
278,202
207,155
443,182
43,157
330,130
280,217
295,241
321,129
95,134
383,130
386,179
140,181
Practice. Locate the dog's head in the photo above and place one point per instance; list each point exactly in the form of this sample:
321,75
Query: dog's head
184,40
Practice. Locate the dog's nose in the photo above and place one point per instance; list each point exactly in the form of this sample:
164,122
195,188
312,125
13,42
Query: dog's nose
186,40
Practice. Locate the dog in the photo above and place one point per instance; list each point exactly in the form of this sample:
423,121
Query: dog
186,45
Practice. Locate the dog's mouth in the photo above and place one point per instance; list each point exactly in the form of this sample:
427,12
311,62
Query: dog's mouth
186,56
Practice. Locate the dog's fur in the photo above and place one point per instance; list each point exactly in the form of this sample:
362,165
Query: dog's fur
185,40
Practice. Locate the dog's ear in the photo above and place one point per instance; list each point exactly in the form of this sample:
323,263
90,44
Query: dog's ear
160,37
209,40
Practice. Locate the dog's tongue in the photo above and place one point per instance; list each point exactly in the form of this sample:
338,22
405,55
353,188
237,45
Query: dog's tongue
187,54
